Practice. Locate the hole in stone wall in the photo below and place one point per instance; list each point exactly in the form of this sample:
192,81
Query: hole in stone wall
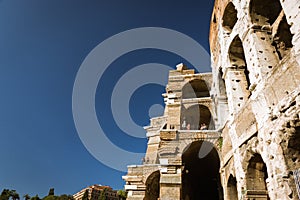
294,141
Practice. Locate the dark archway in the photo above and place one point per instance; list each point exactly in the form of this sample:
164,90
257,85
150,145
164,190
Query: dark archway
200,176
222,85
196,115
195,89
256,178
264,12
229,17
152,186
237,57
232,188
282,39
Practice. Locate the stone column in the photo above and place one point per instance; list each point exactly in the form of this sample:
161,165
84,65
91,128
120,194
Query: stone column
170,186
236,87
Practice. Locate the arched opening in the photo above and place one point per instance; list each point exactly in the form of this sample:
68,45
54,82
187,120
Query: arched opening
256,178
291,148
152,186
222,86
232,188
195,116
282,36
200,176
195,89
237,58
264,12
229,17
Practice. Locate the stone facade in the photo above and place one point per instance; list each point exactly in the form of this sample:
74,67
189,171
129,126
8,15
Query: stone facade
250,104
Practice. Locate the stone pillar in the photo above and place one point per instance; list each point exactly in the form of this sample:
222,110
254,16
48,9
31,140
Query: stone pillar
170,186
292,11
174,113
236,87
261,56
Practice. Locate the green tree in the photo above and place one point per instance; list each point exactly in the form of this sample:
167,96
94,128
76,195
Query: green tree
65,197
36,197
86,195
26,196
14,195
5,194
51,191
122,194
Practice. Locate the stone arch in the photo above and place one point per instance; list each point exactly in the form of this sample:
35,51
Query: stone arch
256,176
196,115
195,89
152,186
229,17
232,192
282,36
200,175
264,12
237,57
237,76
222,86
291,150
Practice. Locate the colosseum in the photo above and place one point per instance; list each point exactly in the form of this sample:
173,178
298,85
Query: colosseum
233,133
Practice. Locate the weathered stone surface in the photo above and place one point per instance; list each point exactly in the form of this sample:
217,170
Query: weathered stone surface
251,101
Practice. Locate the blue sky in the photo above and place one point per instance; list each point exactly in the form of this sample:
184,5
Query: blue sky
42,46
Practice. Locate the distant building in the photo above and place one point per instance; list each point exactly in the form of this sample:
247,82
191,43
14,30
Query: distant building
94,192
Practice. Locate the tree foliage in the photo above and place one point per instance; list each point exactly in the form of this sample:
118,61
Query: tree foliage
7,194
122,194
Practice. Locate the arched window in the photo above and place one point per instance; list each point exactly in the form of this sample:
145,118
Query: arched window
193,117
200,176
229,17
195,89
256,178
264,12
232,188
237,57
152,186
282,36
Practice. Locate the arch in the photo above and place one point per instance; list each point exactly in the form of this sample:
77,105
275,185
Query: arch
222,86
195,89
291,148
232,193
282,36
152,186
256,176
194,116
264,12
237,57
230,17
200,176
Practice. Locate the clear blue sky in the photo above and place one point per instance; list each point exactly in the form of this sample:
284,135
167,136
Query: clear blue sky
42,46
